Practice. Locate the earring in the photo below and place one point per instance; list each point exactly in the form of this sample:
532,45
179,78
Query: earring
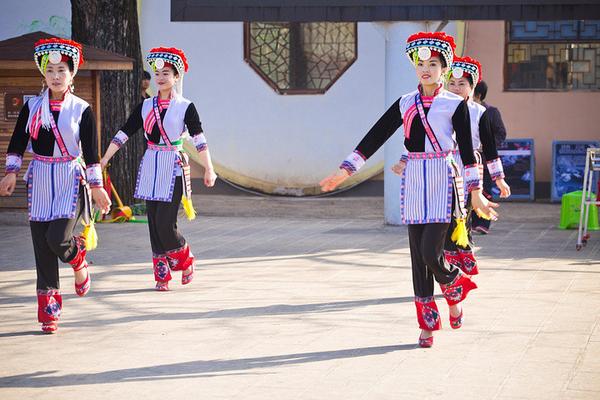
72,87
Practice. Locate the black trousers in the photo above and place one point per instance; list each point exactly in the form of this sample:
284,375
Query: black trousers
162,221
427,256
53,240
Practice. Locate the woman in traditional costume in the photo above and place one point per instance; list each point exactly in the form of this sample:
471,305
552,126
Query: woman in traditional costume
63,177
164,174
432,187
465,75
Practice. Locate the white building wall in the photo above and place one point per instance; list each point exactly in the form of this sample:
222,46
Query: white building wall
292,140
25,16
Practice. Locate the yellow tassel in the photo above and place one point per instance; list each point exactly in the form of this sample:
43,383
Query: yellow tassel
459,236
188,207
90,235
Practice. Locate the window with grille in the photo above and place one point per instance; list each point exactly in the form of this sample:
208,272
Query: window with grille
553,55
300,58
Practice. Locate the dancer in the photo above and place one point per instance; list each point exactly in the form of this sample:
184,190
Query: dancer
164,174
63,175
466,73
482,225
432,188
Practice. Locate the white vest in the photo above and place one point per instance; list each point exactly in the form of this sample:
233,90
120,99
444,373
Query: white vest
173,122
440,114
69,118
475,112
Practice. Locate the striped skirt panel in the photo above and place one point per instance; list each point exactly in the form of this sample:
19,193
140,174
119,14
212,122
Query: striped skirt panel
156,175
426,190
53,189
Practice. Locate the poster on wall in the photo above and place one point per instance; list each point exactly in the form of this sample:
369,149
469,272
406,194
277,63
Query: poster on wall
568,165
519,167
13,102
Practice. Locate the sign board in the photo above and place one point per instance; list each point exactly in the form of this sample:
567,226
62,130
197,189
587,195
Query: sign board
13,102
519,167
568,164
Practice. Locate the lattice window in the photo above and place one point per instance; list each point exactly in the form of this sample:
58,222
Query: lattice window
553,55
300,58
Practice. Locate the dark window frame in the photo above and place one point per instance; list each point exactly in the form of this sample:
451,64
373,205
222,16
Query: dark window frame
305,91
508,41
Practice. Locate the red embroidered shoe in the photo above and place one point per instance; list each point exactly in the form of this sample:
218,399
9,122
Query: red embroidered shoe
428,315
426,343
162,272
468,262
457,290
181,260
49,327
78,263
456,322
187,278
49,308
453,258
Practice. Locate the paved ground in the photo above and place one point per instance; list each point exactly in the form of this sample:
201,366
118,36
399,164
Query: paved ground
307,308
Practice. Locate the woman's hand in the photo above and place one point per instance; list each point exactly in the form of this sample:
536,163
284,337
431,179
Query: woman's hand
482,206
7,184
399,167
209,177
334,180
101,199
504,188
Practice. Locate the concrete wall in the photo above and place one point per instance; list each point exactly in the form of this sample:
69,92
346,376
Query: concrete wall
544,116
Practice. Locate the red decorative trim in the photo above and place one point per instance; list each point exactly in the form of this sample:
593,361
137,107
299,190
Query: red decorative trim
433,35
429,99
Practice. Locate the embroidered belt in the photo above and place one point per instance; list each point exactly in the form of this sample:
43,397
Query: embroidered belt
436,154
50,159
175,146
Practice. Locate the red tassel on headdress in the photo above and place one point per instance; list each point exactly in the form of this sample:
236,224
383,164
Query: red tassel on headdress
433,35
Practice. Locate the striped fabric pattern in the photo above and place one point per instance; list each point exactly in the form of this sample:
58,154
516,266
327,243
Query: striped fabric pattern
495,169
200,142
156,176
461,168
13,163
120,139
55,105
53,189
150,119
93,174
410,114
353,162
472,178
426,189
